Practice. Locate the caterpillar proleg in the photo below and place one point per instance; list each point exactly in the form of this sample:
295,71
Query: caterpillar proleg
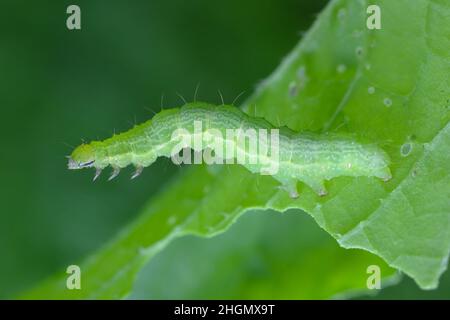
306,157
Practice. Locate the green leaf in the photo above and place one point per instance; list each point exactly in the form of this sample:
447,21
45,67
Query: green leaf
263,256
405,221
390,86
198,203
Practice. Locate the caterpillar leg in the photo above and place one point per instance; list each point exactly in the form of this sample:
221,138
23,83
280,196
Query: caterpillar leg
318,187
98,171
291,187
137,172
384,174
115,173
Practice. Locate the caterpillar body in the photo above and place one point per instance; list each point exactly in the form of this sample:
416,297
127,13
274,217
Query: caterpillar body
306,157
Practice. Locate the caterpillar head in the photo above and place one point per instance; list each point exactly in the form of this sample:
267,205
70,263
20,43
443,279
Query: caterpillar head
82,157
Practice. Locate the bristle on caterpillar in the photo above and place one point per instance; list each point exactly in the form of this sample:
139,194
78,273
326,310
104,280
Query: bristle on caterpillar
307,157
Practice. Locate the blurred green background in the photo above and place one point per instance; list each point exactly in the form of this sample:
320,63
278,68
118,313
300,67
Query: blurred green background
59,86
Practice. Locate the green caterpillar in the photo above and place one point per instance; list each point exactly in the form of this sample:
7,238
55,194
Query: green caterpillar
306,157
